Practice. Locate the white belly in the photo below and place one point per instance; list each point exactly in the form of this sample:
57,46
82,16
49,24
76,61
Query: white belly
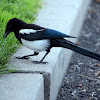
37,45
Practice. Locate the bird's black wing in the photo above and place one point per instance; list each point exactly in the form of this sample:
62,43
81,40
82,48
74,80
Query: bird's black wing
42,34
53,34
31,36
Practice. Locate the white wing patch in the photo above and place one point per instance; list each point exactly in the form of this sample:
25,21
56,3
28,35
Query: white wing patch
38,45
28,31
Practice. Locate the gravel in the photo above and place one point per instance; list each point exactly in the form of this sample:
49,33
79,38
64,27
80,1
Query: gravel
82,79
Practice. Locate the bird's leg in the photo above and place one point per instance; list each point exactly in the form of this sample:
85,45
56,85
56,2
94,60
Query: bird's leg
41,61
27,56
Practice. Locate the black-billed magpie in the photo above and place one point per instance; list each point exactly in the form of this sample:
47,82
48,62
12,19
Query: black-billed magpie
40,39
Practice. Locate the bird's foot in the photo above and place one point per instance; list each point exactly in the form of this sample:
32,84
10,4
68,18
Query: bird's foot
39,62
24,57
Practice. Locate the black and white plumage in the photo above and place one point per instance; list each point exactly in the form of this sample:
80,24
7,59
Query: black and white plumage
40,39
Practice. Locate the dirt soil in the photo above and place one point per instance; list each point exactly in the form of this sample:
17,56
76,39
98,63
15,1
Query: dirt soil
82,79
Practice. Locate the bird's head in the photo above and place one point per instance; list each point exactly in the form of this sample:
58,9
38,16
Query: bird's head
13,25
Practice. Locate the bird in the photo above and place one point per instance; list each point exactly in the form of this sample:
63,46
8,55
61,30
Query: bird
40,39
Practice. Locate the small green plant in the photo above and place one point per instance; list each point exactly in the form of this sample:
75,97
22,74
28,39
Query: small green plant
22,9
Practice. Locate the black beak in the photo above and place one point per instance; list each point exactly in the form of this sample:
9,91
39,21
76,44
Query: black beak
6,33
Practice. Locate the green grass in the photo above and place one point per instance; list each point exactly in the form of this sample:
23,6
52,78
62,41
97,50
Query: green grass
22,9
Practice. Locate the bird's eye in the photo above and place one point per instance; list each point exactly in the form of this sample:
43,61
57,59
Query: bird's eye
10,26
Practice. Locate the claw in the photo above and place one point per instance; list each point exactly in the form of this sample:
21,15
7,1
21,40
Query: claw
39,62
24,57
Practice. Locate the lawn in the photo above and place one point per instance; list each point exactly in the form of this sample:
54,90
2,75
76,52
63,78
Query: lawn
22,9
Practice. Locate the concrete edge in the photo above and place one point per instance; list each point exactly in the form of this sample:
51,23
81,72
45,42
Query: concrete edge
47,77
75,31
22,87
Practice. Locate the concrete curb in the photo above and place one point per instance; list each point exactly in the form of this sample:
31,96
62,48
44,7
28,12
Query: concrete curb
67,17
20,87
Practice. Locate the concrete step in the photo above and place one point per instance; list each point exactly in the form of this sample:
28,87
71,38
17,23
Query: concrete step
66,16
22,87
